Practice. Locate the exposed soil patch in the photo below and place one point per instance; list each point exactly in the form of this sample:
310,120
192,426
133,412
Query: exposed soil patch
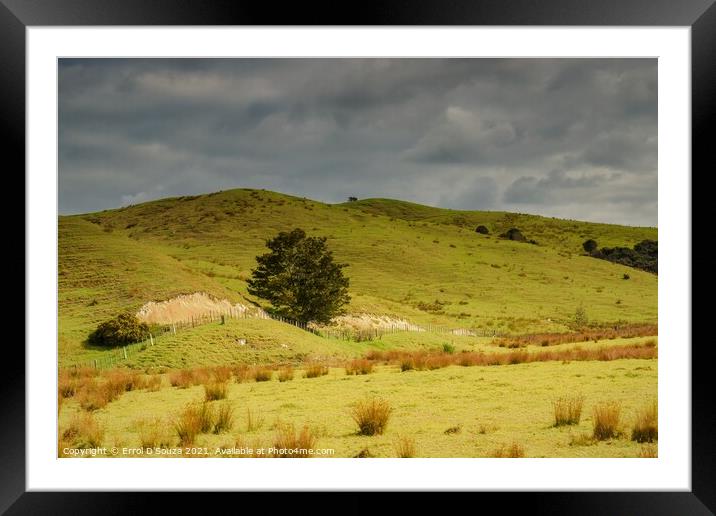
184,307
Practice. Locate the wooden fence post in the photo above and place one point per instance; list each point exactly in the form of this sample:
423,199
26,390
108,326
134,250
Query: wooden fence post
125,352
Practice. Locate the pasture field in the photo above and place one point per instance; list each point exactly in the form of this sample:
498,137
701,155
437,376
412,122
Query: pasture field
448,412
502,334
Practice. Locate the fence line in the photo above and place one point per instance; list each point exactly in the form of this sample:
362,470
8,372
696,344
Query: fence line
116,355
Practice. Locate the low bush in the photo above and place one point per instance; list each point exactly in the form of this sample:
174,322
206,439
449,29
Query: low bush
119,331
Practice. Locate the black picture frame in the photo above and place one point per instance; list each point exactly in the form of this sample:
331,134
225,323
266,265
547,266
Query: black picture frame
700,15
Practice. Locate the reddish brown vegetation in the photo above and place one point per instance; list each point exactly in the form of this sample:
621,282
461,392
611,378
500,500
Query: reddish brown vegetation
625,331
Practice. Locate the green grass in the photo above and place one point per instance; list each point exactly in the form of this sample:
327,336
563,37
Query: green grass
493,406
118,259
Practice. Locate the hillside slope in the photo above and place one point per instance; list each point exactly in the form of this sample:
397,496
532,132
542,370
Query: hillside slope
423,264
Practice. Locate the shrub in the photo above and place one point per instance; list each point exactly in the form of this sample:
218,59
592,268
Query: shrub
513,451
123,329
289,444
605,420
224,418
646,425
83,432
590,246
371,416
626,276
360,366
513,234
285,374
580,317
567,410
316,370
405,447
215,391
482,230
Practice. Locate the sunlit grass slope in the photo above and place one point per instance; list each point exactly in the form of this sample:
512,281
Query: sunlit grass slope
420,263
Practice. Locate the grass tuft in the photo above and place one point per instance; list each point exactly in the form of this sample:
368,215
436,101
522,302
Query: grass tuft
605,420
371,416
512,451
291,444
567,410
405,447
646,425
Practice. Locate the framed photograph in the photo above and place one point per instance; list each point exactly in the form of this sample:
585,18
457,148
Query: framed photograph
415,250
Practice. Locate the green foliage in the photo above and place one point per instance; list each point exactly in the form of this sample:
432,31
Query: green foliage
300,279
123,329
590,245
580,317
644,255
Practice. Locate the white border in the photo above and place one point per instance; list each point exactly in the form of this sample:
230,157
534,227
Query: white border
670,471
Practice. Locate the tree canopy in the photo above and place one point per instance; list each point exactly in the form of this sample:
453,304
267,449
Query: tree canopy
300,278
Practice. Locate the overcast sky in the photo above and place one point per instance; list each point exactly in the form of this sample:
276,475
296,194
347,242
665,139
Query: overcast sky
571,138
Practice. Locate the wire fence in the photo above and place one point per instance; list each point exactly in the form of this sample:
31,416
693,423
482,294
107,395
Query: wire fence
115,356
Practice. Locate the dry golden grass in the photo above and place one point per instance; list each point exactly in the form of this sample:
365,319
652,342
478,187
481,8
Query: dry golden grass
359,366
371,416
512,451
605,420
625,331
215,390
405,447
291,444
285,374
153,433
83,432
253,421
182,379
154,382
316,370
648,451
241,373
567,410
262,374
222,374
194,420
224,420
646,424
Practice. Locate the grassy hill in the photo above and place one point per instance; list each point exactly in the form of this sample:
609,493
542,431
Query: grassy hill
420,263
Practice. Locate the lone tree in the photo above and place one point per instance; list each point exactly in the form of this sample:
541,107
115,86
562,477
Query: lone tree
300,279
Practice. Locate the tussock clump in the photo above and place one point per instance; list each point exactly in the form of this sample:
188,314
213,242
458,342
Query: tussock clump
215,390
182,379
224,420
512,451
154,382
153,433
583,439
316,370
453,430
291,444
405,447
222,374
94,395
360,366
194,420
242,373
567,410
262,374
253,421
371,416
285,374
605,420
83,432
646,425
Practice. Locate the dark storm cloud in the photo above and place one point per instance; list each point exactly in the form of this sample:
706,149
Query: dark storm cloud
561,137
